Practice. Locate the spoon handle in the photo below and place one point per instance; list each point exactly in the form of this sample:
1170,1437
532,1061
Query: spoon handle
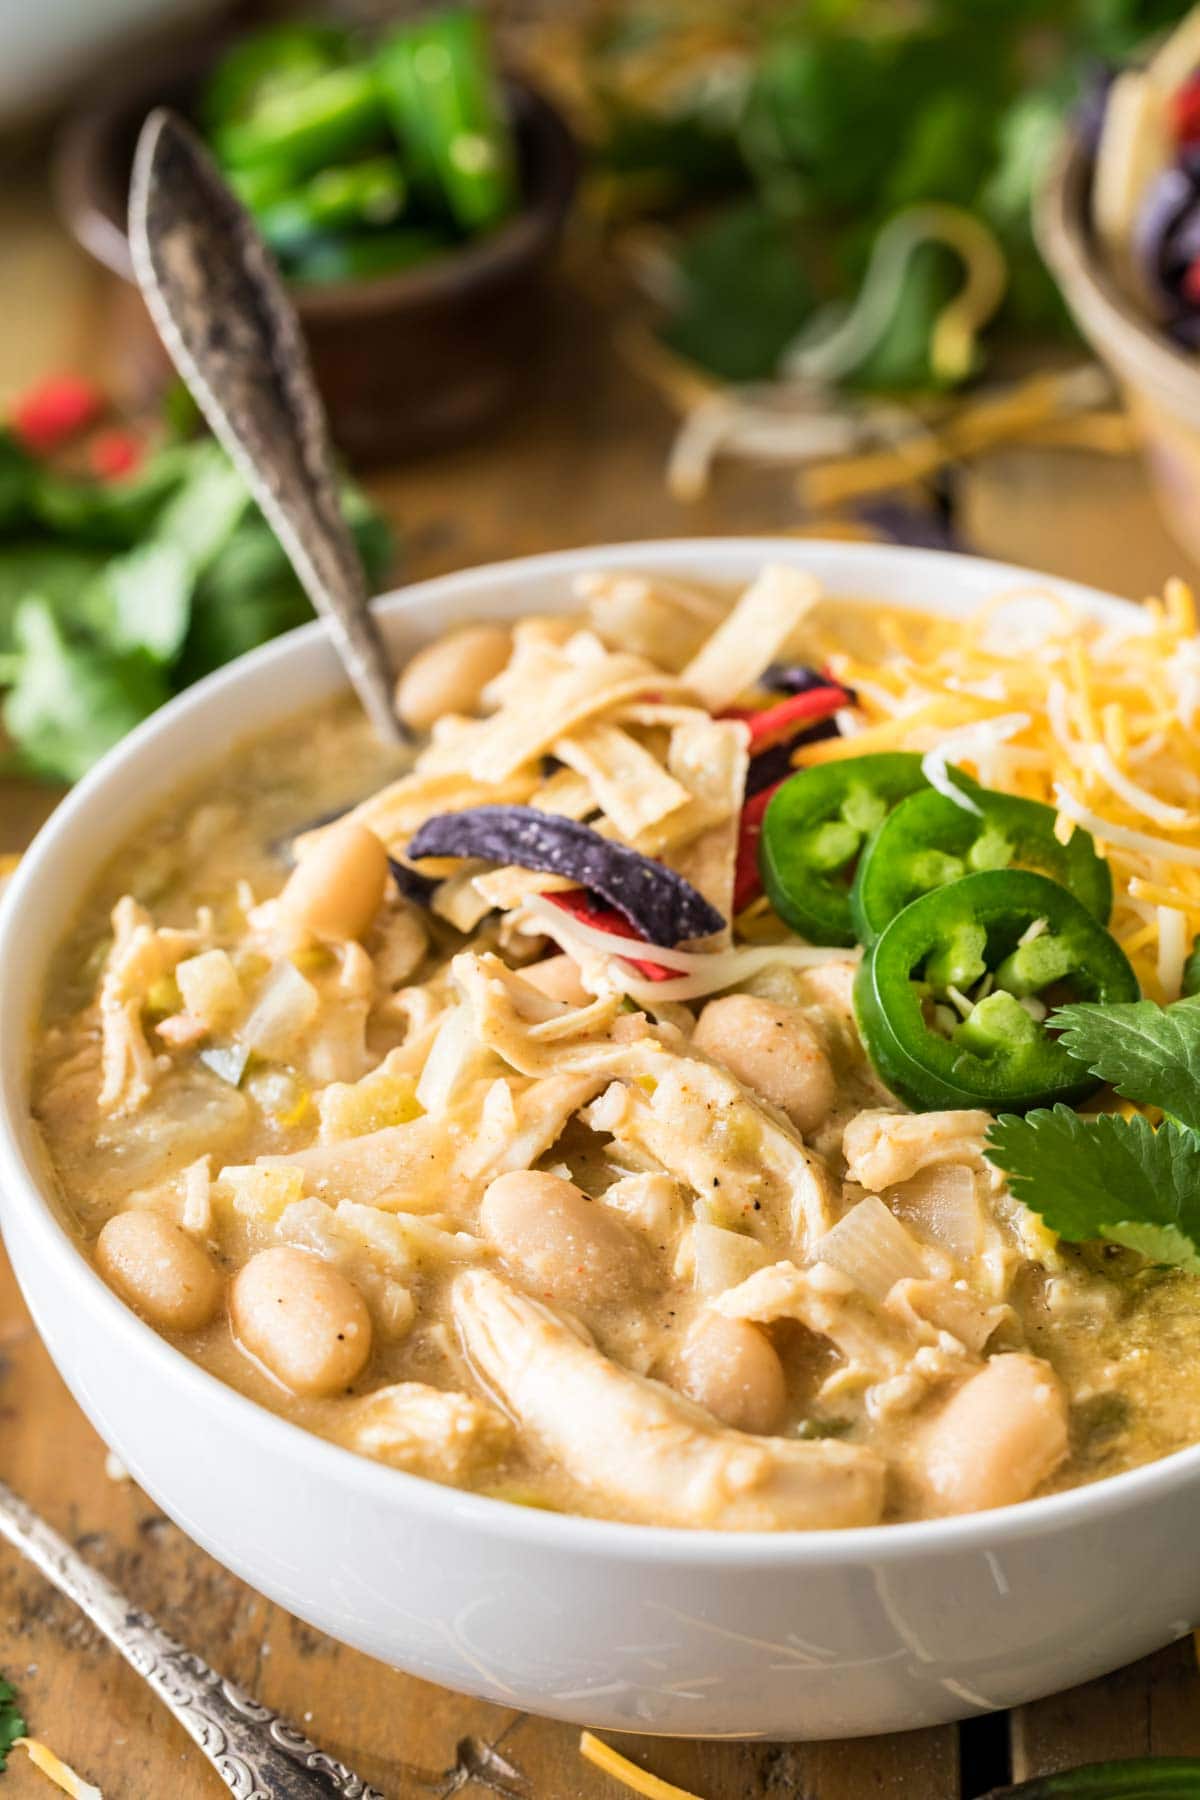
255,1751
220,308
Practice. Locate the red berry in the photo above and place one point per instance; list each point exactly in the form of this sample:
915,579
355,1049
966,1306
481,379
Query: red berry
55,411
114,453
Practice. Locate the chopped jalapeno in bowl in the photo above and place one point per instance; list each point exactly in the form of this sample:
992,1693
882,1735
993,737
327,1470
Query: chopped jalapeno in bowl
360,159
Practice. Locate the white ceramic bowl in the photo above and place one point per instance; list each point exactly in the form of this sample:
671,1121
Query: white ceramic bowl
813,1635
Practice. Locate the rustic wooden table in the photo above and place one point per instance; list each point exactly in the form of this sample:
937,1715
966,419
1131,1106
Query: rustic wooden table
580,462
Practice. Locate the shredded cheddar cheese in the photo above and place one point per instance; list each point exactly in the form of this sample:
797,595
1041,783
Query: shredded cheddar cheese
638,1781
1108,737
59,1772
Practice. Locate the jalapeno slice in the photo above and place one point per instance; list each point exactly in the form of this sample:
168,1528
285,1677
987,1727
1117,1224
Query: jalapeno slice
939,995
928,841
814,830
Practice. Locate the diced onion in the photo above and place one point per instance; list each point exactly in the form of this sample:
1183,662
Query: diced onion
285,1007
942,1201
721,1258
451,1061
872,1248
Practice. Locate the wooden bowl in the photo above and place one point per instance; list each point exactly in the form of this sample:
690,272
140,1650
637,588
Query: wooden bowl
404,361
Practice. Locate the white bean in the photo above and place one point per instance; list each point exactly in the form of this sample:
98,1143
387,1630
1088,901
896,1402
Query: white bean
449,675
335,890
301,1317
994,1441
731,1368
162,1272
563,1245
774,1050
558,978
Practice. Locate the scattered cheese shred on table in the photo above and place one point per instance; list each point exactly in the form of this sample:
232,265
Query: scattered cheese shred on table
43,1758
638,1781
1110,736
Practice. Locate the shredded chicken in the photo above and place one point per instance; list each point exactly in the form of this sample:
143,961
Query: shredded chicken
884,1148
426,1430
642,1449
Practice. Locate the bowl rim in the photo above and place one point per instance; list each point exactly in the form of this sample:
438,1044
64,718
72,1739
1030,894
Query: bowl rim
26,1189
1113,325
82,148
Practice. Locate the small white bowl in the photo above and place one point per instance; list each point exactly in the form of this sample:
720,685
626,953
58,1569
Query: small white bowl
817,1635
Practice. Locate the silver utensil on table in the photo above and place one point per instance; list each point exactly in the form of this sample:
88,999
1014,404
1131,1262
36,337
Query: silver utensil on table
220,307
255,1751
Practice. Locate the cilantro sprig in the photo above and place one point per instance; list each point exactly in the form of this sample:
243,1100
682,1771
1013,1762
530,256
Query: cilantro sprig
1112,1178
12,1724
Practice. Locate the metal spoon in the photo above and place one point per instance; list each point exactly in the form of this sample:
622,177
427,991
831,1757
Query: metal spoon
255,1751
220,308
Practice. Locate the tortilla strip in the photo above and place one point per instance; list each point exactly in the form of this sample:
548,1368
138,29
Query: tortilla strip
630,786
520,733
399,809
659,619
712,757
459,901
511,886
744,643
565,793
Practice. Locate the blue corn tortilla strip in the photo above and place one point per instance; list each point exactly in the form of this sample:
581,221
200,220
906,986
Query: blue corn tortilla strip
800,678
413,885
770,766
658,903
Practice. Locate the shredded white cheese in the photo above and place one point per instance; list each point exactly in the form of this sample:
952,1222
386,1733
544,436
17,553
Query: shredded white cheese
1109,833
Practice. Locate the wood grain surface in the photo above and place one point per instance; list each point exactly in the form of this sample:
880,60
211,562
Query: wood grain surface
580,461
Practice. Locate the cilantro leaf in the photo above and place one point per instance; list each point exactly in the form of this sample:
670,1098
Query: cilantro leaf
1150,1054
743,294
12,1725
143,599
1190,985
71,698
1106,1177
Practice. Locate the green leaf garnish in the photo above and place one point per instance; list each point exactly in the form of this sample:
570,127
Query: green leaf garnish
1150,1054
1110,1178
12,1725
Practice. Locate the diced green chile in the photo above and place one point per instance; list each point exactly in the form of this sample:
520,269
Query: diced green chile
999,1055
814,830
928,841
658,903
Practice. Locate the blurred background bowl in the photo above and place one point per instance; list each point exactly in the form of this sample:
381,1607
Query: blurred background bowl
404,361
1160,382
